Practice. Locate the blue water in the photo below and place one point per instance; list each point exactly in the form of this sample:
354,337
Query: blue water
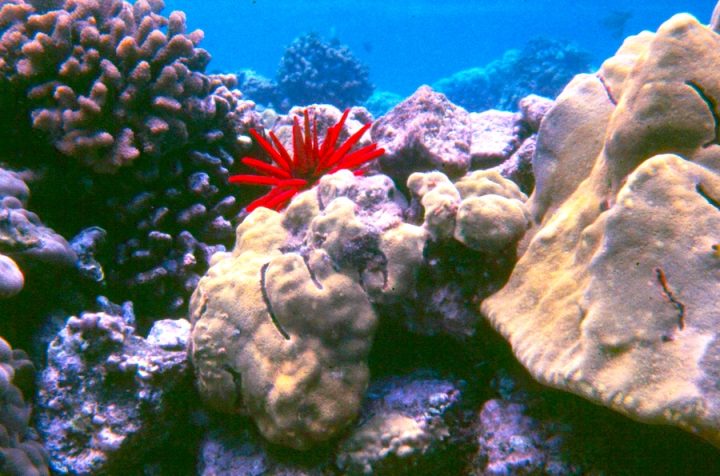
406,43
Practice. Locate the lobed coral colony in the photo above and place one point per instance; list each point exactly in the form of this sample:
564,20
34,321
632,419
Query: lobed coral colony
341,322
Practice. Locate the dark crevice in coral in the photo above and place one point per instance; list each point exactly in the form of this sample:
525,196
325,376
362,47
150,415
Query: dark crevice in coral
662,279
314,279
237,382
704,194
712,106
607,90
266,298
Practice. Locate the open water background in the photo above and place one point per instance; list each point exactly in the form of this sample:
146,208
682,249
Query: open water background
407,43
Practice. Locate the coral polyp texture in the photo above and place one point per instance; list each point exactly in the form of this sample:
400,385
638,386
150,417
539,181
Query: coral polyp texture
109,81
310,160
614,295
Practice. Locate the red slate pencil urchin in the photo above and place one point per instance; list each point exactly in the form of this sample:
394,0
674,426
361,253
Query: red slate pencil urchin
310,160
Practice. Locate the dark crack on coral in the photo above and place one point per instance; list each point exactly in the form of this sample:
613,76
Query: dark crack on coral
237,382
607,90
314,279
268,305
712,106
704,194
662,279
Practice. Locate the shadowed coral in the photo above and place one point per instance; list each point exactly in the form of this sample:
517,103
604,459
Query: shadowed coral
19,455
614,296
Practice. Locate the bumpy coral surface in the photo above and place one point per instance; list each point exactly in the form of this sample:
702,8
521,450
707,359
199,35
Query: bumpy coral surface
109,81
614,296
19,455
482,210
106,394
283,324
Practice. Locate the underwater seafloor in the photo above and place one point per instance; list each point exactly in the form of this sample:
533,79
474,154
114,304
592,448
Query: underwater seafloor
511,271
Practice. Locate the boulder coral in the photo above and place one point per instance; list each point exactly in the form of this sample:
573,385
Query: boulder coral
482,210
283,332
614,296
283,324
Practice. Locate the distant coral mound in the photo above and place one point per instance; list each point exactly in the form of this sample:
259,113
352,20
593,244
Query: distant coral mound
542,67
311,71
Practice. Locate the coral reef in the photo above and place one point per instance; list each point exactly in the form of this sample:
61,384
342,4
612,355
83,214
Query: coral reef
107,85
124,91
312,71
613,296
428,132
309,279
106,394
541,67
24,240
424,132
482,210
20,454
409,423
299,337
427,404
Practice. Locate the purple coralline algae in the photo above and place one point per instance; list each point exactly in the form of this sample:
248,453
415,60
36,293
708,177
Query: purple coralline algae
428,132
406,423
106,396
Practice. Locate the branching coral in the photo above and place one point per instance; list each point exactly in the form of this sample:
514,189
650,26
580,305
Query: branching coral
310,160
110,81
